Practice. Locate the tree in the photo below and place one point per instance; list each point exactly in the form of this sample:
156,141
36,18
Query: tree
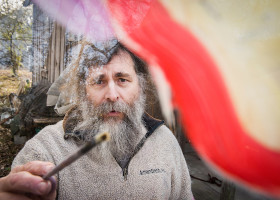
15,33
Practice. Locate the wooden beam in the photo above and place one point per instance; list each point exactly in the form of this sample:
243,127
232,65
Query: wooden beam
48,62
52,50
62,50
57,51
46,120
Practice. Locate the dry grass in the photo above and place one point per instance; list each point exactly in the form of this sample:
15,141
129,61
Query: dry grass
9,83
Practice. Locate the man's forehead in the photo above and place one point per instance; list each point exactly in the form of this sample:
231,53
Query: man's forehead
119,65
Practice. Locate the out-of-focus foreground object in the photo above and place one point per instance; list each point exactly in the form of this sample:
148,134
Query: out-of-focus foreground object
222,64
87,17
221,61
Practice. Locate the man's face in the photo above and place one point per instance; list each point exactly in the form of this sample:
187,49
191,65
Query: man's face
116,81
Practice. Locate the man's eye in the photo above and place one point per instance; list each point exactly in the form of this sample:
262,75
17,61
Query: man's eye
122,80
99,82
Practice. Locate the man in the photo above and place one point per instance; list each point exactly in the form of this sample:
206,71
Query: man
141,161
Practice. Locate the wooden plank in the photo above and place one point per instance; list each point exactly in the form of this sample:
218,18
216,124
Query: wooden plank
39,58
37,31
43,57
52,49
46,120
56,51
62,50
35,55
48,62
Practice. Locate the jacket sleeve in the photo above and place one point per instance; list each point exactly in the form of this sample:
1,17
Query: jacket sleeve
33,150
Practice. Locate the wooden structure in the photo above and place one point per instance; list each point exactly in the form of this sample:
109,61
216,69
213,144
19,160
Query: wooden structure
54,64
48,47
41,31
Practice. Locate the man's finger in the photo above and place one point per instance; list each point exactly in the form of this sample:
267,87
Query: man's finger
10,196
35,167
25,182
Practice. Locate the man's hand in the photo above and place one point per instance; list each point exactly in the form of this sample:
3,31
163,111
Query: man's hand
26,182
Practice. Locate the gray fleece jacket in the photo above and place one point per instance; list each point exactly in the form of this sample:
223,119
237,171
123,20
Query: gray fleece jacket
157,171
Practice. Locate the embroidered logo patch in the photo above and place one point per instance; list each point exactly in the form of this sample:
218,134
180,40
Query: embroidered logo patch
151,171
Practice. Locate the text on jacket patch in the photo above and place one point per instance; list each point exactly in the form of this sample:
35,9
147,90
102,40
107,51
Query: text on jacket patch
151,171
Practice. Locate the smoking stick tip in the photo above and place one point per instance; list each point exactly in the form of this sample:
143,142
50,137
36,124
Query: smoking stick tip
102,137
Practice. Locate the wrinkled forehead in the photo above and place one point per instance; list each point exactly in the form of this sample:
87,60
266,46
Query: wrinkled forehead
120,64
98,57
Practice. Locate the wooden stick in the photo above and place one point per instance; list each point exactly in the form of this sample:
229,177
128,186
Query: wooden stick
83,150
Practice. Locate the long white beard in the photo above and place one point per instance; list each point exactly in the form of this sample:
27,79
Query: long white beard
125,133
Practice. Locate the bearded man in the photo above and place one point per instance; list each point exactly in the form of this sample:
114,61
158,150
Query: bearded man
141,161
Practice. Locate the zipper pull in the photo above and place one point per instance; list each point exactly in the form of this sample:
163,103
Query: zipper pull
125,172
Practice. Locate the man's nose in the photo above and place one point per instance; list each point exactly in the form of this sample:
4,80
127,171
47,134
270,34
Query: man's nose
112,93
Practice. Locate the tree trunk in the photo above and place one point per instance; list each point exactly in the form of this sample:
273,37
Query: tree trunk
13,57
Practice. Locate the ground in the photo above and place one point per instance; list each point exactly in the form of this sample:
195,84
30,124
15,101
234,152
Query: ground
8,150
8,84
